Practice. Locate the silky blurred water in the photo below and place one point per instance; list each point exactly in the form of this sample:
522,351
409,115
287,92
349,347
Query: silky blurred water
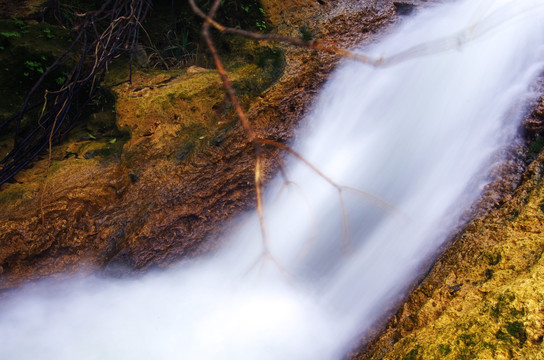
414,133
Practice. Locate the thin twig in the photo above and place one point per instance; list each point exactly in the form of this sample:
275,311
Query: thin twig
259,142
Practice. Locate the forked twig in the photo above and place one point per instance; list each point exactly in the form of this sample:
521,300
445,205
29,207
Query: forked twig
259,142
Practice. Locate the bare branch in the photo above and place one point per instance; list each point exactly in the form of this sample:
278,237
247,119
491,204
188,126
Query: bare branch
260,142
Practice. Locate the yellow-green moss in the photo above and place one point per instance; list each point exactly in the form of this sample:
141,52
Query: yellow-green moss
12,194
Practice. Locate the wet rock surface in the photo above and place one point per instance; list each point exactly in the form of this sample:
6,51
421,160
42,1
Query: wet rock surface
404,7
161,182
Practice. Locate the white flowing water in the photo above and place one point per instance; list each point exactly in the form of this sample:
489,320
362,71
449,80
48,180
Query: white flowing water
415,133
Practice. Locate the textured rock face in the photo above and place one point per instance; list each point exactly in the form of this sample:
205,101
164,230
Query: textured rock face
483,298
121,203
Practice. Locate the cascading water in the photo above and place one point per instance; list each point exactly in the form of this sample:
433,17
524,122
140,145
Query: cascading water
413,133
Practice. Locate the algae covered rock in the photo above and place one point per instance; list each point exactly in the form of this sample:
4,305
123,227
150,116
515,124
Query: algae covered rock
130,186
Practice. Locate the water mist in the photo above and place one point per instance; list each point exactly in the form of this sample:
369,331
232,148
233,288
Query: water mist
410,135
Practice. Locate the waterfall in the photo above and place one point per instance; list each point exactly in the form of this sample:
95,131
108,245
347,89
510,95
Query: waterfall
404,142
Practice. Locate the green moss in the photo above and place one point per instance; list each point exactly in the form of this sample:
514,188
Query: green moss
118,72
517,330
268,66
272,61
489,346
11,194
517,313
105,152
171,97
466,354
536,146
413,354
192,131
55,166
488,274
192,137
503,336
514,214
10,34
444,349
501,305
306,34
468,340
494,258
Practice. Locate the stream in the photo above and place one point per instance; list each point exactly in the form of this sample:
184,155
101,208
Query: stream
406,144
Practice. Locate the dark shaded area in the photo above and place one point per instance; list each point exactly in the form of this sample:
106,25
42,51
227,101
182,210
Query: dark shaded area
99,35
404,7
172,31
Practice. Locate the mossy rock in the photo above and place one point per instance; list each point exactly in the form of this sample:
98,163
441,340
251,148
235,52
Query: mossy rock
13,194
